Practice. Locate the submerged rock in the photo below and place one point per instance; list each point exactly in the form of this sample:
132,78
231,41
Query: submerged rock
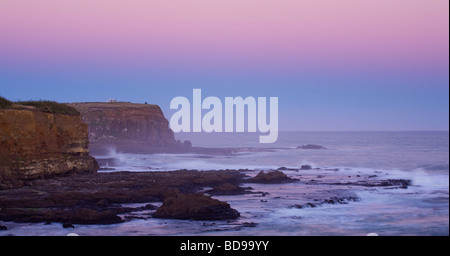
310,146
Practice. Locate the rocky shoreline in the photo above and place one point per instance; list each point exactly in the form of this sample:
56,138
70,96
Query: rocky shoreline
102,198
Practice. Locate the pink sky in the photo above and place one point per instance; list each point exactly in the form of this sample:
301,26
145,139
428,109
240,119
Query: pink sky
348,32
340,64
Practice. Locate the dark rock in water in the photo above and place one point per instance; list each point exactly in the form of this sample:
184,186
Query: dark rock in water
249,224
283,168
67,225
311,205
306,167
271,177
3,227
401,183
98,198
388,184
333,200
227,189
194,206
310,146
102,203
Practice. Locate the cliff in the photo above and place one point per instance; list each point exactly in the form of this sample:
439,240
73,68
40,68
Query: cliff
36,144
127,127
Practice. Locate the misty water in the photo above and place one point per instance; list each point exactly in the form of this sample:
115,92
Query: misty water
421,209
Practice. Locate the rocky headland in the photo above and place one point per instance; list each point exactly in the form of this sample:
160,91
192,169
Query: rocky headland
128,127
39,140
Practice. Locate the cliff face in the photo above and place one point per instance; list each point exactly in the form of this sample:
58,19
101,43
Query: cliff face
128,127
36,144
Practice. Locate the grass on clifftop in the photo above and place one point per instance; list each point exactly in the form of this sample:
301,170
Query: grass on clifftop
51,107
4,103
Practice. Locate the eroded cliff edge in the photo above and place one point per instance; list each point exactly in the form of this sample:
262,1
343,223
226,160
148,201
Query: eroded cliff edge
127,127
40,144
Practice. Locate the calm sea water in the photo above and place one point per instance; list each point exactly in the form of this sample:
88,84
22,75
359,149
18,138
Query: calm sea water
422,209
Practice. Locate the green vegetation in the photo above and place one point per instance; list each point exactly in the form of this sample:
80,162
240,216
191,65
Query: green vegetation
4,103
51,107
42,105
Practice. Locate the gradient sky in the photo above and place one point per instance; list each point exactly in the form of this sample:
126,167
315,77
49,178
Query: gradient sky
335,65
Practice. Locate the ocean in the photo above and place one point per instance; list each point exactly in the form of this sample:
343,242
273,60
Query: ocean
421,209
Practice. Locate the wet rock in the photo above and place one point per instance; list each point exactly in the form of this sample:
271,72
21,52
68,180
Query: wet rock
283,168
305,167
3,227
228,189
106,169
310,146
249,224
194,206
400,183
68,225
389,183
271,177
333,200
311,205
98,198
102,203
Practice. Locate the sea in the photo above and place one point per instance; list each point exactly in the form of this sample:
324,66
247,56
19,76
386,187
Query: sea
421,209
